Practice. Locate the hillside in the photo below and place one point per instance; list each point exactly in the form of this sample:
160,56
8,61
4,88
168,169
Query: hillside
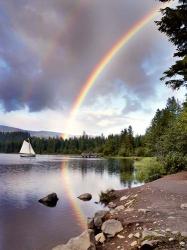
41,134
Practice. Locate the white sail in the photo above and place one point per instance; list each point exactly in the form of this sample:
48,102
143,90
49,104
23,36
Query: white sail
27,148
32,150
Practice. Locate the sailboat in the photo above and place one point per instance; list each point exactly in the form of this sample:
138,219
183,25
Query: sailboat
27,150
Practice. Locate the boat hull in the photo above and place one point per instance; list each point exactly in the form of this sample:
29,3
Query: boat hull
27,155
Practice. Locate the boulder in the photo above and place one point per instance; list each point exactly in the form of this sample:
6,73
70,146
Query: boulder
111,227
101,213
86,241
49,200
98,218
149,244
85,197
98,222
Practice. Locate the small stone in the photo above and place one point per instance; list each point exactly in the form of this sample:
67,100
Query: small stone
137,224
184,234
137,235
182,243
171,213
118,247
168,230
100,238
130,236
112,211
124,198
171,218
171,239
184,205
111,205
119,208
175,232
134,243
129,210
129,203
144,210
120,236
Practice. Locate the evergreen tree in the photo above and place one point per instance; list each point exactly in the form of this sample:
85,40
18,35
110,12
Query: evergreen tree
174,24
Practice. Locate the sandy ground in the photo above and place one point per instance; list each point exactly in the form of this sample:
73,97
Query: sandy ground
162,198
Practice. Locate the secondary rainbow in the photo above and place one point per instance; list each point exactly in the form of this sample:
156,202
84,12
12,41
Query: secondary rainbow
105,61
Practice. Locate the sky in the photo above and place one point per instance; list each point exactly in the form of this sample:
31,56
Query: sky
48,49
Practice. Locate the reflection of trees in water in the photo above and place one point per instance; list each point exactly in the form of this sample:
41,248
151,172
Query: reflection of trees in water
88,166
124,168
127,176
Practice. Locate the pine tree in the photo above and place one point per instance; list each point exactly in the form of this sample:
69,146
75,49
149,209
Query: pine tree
174,24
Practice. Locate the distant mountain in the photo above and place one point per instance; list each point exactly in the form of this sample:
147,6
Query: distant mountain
42,134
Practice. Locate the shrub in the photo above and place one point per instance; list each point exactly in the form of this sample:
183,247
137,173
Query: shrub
174,162
149,169
107,196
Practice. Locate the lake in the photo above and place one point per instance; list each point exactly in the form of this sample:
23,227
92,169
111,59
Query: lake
26,224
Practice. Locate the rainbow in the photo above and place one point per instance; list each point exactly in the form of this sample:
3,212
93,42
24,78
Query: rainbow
80,217
104,62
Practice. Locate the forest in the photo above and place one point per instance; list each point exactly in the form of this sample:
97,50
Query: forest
165,139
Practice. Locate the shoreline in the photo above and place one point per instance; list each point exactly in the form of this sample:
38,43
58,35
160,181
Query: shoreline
154,213
157,206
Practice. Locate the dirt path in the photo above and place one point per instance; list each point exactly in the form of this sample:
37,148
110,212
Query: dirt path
156,206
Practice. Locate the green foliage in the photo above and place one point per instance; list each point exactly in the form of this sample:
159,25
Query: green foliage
161,124
149,169
174,24
11,142
107,196
174,162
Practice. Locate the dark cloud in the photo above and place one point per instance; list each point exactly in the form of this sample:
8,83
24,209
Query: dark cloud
50,47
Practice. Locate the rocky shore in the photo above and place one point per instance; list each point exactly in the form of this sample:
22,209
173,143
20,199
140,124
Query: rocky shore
153,216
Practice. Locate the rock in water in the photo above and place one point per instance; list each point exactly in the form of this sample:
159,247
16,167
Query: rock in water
86,241
49,200
111,227
85,197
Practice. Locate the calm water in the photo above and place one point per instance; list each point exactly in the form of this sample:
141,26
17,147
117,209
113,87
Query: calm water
26,224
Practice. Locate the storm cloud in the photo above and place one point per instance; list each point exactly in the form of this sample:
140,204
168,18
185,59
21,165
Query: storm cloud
49,48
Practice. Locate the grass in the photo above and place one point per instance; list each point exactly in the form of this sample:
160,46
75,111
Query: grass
149,169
